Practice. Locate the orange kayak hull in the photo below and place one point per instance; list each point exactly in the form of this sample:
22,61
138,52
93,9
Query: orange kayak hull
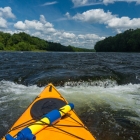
69,127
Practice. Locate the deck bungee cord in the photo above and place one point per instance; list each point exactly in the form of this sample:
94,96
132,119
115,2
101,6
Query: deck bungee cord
49,116
33,126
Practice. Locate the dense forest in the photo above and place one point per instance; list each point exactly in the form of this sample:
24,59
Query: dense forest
129,41
25,42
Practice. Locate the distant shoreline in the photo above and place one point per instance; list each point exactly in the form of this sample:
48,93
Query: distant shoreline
25,42
129,41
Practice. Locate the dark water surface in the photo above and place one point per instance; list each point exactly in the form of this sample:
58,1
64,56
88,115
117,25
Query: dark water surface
105,88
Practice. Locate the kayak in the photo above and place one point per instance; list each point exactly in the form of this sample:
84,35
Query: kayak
49,117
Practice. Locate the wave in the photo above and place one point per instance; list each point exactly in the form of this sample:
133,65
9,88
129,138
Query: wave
104,93
97,93
102,105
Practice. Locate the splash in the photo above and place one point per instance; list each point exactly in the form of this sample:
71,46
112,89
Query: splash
104,93
104,106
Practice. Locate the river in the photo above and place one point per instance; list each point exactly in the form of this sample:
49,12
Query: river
105,88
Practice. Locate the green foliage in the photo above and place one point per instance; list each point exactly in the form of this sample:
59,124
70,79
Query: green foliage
80,49
1,46
4,37
58,47
25,42
129,41
23,46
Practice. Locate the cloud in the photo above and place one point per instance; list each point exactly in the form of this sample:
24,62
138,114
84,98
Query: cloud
68,35
113,1
80,40
3,23
107,18
123,23
42,19
49,3
81,3
66,38
20,25
45,30
6,12
94,16
92,37
68,15
10,31
41,25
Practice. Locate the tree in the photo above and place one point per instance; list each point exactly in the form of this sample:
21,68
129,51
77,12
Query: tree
1,46
4,37
25,42
129,41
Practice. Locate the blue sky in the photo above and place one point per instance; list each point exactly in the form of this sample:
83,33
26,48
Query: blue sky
80,23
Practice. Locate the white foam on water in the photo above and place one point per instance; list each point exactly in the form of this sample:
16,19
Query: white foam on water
16,97
118,97
13,88
124,97
11,91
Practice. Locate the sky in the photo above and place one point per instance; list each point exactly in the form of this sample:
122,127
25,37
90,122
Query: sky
80,23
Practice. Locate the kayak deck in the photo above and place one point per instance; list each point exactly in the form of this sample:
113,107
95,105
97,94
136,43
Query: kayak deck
69,127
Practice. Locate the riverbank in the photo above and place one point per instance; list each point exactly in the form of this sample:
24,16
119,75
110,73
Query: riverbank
25,42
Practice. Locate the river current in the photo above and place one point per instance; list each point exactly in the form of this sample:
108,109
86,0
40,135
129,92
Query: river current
105,88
